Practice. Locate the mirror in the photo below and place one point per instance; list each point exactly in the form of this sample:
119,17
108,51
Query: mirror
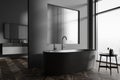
63,25
15,32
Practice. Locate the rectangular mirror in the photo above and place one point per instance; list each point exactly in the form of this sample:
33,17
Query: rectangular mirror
14,31
63,25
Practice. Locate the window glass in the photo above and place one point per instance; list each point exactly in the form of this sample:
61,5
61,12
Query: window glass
107,4
109,31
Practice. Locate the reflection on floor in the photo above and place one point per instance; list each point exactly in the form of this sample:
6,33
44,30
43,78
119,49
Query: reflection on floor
16,69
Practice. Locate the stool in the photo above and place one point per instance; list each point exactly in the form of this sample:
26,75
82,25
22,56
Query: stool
110,67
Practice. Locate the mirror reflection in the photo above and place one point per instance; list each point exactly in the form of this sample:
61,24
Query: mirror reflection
63,25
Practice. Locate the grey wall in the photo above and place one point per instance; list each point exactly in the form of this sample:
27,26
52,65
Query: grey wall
39,21
38,28
37,31
12,11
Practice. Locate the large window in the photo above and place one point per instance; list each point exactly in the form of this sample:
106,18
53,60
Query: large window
103,5
108,25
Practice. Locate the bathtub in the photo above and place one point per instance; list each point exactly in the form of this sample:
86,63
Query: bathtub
63,51
57,62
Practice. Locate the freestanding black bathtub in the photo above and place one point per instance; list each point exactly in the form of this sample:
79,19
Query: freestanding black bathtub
68,61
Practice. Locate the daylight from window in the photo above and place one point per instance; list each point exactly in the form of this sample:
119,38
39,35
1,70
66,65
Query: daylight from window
108,26
103,5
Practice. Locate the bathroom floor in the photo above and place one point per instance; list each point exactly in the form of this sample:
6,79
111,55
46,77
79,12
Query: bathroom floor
16,69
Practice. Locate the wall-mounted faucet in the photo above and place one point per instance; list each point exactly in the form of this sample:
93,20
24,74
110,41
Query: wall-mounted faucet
64,37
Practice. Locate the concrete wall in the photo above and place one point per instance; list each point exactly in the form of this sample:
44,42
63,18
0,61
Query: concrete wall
38,28
12,11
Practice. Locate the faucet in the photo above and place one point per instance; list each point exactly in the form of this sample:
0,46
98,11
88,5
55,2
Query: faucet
62,41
